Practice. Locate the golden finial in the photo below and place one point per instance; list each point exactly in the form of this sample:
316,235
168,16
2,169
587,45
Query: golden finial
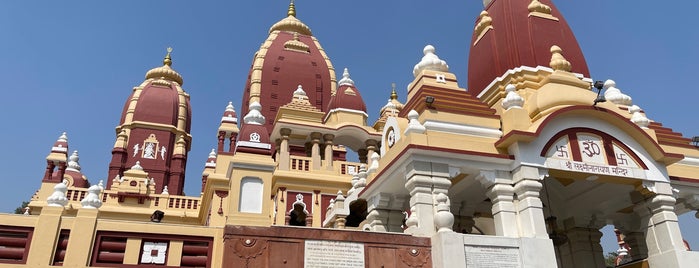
394,95
292,9
558,62
168,61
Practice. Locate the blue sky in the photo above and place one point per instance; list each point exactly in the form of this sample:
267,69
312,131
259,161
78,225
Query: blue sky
69,65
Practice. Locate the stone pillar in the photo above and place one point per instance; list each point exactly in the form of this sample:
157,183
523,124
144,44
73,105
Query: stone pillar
425,181
45,236
584,247
328,151
362,154
283,159
419,185
315,150
80,243
501,194
386,212
504,213
370,149
530,207
637,243
663,238
231,142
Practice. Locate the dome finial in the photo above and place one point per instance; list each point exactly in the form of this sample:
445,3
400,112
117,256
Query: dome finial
292,9
394,95
558,62
168,61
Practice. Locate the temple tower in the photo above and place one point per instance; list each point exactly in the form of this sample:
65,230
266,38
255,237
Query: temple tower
154,129
290,56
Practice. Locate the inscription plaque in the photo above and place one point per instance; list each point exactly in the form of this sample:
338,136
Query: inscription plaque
330,254
492,257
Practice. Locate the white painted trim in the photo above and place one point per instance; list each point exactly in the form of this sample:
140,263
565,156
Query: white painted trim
254,145
229,119
253,166
527,68
690,161
344,110
59,149
462,129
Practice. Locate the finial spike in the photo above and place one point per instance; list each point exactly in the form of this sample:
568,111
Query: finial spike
292,9
394,95
168,61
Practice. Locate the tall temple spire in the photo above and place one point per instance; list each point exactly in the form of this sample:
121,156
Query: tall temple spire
292,9
168,61
157,104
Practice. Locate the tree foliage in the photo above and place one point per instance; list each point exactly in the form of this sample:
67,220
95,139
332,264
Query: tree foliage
610,259
20,209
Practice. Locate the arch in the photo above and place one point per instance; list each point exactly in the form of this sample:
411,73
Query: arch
251,189
358,213
298,213
624,124
609,142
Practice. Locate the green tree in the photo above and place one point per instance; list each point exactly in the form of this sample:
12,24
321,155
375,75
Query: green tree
610,259
20,209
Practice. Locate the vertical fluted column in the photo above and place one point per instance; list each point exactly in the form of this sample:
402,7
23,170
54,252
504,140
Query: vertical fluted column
284,149
315,150
328,162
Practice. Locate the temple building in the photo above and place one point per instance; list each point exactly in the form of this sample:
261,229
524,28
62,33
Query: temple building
522,168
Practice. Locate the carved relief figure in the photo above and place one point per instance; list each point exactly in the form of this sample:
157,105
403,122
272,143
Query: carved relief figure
135,150
149,150
162,152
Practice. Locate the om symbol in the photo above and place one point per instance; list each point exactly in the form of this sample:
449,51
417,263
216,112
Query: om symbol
591,148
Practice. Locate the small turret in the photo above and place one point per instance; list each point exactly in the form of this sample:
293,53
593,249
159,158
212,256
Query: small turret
73,172
347,104
57,158
228,129
254,137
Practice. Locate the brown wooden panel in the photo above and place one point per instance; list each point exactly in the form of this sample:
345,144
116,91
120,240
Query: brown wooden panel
378,257
286,254
283,246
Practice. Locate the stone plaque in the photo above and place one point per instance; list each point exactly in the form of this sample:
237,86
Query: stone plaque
330,254
492,257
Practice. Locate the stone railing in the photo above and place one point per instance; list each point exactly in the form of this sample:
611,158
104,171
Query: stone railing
153,201
305,164
300,163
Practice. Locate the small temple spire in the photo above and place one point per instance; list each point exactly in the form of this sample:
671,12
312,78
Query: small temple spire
168,60
292,9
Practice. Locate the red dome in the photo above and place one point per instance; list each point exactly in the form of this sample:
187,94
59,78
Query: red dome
347,97
519,37
290,60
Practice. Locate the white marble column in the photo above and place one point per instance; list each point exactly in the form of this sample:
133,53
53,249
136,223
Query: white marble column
530,208
662,234
425,181
504,213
